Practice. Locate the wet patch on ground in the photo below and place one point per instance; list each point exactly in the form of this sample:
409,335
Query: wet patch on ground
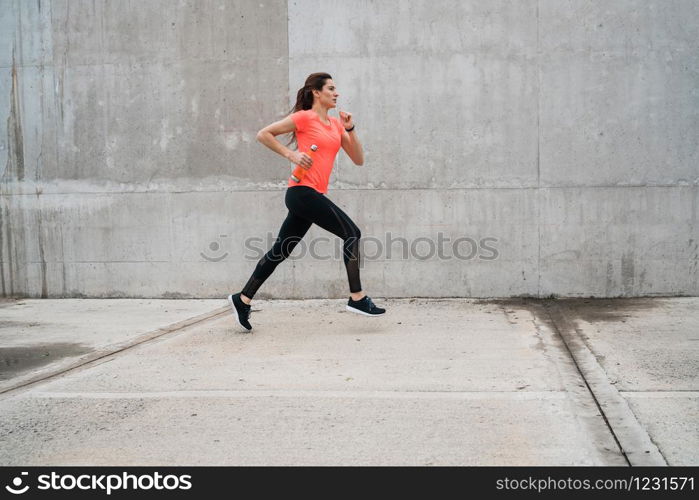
590,310
608,310
9,302
15,360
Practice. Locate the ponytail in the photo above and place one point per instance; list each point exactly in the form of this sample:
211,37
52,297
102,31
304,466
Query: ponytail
304,99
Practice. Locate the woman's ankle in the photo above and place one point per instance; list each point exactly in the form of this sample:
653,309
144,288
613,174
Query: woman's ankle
245,299
357,296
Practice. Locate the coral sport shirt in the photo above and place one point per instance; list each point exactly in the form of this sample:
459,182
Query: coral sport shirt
311,130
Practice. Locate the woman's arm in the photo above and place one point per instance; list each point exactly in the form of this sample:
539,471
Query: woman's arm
350,141
353,148
267,135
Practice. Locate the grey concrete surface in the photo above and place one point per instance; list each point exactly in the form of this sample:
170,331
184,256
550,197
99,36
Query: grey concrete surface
650,352
563,130
39,338
433,382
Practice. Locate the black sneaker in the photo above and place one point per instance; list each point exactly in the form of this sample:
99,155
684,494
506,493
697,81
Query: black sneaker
364,306
241,310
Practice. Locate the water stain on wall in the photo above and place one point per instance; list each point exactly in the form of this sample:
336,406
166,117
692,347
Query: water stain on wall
14,169
627,272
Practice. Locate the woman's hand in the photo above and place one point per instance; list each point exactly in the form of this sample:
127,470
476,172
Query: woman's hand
346,119
301,159
350,141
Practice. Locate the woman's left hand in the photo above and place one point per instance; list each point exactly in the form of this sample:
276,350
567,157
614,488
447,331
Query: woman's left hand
346,119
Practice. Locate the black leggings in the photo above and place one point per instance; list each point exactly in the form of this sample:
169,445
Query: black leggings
307,206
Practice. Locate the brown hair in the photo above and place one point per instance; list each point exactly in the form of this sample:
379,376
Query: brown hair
304,96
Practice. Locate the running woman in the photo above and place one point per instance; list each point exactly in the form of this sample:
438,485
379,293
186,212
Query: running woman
310,124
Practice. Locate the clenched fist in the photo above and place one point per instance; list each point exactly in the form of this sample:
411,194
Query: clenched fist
346,119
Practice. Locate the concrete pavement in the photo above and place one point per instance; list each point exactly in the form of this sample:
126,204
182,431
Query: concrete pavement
433,382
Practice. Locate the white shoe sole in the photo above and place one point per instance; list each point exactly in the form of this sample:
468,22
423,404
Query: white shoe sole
235,311
357,311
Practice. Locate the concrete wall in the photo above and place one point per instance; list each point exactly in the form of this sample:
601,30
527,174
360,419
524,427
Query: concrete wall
556,139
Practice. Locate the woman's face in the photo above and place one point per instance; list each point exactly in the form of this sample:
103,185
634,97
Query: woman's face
328,95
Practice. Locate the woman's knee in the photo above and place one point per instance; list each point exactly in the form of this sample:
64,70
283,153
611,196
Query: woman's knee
282,248
351,242
355,234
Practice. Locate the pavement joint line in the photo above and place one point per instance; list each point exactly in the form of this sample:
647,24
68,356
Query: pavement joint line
633,440
585,409
284,393
99,355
